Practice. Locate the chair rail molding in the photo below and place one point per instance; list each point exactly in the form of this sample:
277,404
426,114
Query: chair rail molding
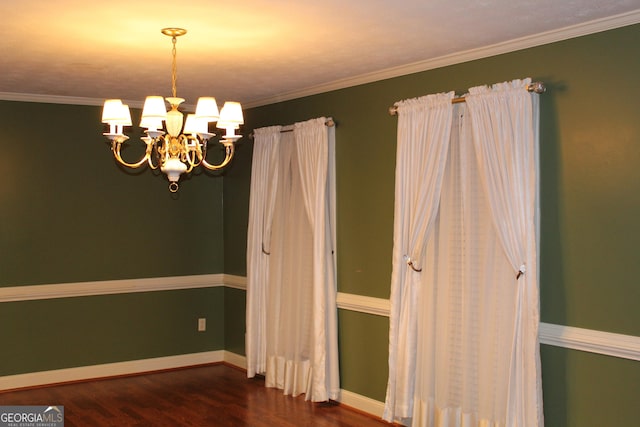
600,342
606,343
109,287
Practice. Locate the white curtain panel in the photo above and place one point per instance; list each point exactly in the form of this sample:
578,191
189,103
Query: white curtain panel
424,126
314,143
264,181
505,133
298,310
476,348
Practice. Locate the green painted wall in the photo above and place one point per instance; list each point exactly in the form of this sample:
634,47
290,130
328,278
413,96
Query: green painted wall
363,355
68,213
234,320
70,332
590,152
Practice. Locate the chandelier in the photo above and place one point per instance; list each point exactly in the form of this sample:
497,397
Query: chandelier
179,149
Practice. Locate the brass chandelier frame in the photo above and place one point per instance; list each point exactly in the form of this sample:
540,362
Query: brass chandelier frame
172,151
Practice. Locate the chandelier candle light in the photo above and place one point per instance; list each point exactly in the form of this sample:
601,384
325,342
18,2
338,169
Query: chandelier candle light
174,152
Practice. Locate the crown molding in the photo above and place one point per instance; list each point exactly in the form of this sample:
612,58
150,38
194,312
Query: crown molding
578,30
64,100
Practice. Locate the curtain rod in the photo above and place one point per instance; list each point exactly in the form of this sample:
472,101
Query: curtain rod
289,128
537,87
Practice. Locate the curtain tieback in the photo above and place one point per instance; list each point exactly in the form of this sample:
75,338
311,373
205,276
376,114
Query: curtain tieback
521,271
264,251
410,263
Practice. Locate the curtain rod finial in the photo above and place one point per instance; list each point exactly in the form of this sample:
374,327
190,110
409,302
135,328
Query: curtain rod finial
537,87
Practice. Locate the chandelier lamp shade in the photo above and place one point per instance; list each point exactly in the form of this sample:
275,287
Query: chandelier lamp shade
181,145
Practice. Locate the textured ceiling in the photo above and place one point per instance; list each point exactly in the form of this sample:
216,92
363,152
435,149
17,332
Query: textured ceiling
254,51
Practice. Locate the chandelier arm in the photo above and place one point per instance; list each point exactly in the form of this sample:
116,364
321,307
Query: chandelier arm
188,162
160,151
229,149
151,164
116,153
150,161
193,158
190,151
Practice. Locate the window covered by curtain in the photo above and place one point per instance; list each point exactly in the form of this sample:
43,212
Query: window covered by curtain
476,311
291,289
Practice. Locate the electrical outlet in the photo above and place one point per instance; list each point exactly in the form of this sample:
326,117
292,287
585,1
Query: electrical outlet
202,324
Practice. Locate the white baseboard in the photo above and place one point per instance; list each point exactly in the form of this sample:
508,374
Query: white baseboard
348,398
362,403
235,359
82,373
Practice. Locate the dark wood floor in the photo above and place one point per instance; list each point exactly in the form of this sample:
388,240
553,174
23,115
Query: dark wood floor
212,395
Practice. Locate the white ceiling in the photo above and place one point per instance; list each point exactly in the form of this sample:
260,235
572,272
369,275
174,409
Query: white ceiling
258,51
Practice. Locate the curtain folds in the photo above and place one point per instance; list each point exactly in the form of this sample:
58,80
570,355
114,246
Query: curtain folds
264,180
314,142
424,126
464,346
504,133
291,294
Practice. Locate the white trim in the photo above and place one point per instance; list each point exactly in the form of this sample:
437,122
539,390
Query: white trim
235,282
133,367
363,304
361,403
237,360
607,343
578,30
348,398
521,43
109,370
107,287
61,99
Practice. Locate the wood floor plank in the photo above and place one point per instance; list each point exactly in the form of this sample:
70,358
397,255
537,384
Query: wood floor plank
212,395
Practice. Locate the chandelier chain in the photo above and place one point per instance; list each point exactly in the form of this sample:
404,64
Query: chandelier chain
174,67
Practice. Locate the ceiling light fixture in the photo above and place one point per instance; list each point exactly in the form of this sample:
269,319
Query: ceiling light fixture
178,150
